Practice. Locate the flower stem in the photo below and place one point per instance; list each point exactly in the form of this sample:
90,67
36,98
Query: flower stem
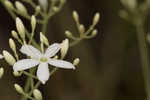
143,49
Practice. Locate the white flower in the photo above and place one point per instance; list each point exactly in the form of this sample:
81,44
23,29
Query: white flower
38,58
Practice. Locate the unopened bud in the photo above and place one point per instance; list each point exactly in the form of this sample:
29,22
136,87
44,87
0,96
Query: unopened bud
18,88
55,9
43,4
82,29
64,48
14,34
21,8
8,4
1,72
37,94
17,74
76,61
33,22
96,18
44,39
68,34
94,32
38,9
9,58
20,28
76,16
12,44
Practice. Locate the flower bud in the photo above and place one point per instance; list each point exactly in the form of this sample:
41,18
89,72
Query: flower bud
17,74
55,9
38,9
82,29
9,58
12,44
64,48
37,94
18,88
68,34
44,39
14,34
94,32
76,16
8,4
43,4
76,61
96,18
21,8
33,22
20,28
1,72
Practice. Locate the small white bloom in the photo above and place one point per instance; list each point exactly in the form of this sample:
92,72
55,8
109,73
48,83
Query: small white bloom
37,58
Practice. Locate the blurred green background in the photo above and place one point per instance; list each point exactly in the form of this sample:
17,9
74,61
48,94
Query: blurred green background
110,66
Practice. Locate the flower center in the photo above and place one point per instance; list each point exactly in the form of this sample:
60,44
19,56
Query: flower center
43,59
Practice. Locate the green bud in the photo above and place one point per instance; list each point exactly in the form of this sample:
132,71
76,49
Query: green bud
20,28
18,88
1,72
14,34
17,74
94,32
64,48
76,16
12,44
96,18
82,29
44,39
68,33
9,58
33,22
21,8
8,4
37,94
76,61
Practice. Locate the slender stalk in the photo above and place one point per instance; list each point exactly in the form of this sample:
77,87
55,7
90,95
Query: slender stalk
45,25
144,57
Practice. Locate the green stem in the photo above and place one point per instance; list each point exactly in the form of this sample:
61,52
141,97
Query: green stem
45,25
144,57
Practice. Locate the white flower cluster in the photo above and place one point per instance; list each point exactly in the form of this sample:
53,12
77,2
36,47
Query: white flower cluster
41,59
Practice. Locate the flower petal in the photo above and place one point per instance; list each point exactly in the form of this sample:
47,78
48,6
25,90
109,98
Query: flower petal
30,51
43,73
24,64
52,50
61,64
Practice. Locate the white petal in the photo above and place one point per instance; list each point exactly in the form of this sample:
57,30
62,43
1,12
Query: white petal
52,50
30,51
24,64
1,56
61,64
43,72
